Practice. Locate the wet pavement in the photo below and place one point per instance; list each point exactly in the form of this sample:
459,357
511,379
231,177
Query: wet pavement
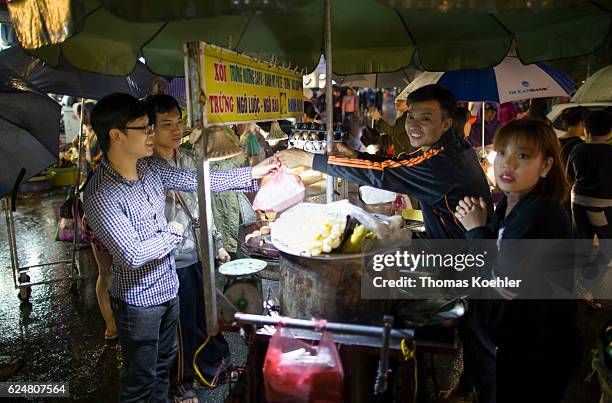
60,333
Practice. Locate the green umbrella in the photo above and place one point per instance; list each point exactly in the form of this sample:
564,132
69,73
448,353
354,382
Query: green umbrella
107,36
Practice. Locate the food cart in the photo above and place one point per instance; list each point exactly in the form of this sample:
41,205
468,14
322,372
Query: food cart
224,87
331,286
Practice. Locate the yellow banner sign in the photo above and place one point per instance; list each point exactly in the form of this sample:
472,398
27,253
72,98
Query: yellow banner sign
241,89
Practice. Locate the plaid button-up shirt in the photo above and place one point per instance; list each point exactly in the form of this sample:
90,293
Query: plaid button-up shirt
128,216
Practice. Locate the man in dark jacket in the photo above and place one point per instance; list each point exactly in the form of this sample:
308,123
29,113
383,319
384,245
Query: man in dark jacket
438,174
397,131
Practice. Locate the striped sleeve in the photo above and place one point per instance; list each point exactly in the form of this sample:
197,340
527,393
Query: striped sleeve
237,179
174,178
424,175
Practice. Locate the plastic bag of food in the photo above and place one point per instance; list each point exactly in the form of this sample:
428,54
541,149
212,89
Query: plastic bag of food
299,372
317,222
281,191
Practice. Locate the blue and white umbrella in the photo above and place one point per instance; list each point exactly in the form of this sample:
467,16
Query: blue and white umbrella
510,80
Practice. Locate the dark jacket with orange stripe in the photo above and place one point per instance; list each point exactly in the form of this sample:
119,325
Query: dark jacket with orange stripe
438,178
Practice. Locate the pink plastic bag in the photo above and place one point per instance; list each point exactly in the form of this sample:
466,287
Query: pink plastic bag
281,191
298,372
69,215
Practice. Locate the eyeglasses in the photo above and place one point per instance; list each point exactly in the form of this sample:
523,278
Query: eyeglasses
148,129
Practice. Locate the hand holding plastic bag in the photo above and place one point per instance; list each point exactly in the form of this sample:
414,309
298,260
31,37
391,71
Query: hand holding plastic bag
282,191
298,372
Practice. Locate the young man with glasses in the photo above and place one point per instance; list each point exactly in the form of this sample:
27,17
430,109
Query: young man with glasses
124,202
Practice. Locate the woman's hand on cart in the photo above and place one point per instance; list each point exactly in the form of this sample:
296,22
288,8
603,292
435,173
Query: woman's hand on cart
223,256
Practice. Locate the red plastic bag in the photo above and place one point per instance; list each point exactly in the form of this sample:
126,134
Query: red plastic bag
298,372
281,191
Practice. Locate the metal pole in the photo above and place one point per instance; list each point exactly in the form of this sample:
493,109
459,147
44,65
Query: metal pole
329,96
196,114
383,365
344,328
206,247
588,69
188,84
484,154
11,238
75,202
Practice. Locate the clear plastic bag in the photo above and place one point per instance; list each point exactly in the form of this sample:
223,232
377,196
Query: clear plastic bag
309,216
282,191
298,372
342,208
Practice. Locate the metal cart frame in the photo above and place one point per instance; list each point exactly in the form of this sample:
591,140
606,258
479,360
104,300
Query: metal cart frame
21,279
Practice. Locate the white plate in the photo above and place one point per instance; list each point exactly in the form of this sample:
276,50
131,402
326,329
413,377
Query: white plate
242,267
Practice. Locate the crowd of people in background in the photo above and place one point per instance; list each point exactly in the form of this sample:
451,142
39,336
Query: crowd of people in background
384,110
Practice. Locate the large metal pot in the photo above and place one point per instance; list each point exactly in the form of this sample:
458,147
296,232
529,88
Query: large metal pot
327,287
330,287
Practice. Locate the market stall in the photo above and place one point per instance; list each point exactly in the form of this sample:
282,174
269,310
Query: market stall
30,144
276,280
322,272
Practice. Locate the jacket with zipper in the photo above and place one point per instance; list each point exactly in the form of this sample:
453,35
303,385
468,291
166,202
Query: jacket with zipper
544,259
438,178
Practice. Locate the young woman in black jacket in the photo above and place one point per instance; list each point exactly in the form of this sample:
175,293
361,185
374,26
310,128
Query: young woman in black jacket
539,345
